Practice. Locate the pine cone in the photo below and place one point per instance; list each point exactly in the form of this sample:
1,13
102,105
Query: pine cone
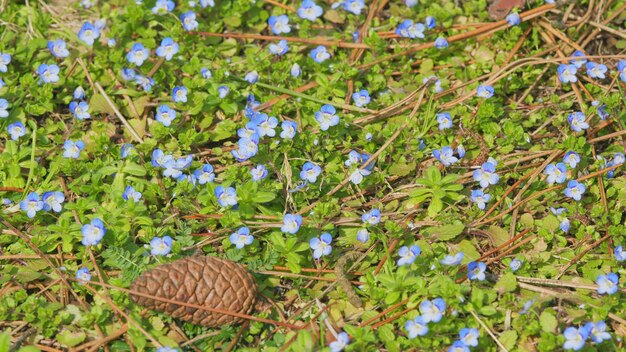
207,281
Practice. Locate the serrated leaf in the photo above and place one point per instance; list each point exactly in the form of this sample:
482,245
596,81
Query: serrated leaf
548,321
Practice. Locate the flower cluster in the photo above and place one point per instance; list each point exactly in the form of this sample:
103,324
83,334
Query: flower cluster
172,167
575,338
49,201
431,311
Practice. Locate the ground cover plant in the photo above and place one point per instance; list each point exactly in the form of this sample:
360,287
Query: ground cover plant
395,175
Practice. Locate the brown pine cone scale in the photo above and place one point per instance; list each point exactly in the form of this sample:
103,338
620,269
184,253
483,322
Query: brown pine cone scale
206,281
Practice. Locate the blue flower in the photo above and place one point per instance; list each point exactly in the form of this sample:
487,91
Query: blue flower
458,346
441,42
576,61
247,148
309,10
575,190
80,110
111,42
291,223
484,92
131,193
564,225
621,68
31,204
476,271
481,198
354,6
73,149
222,91
16,130
289,129
607,284
575,338
265,125
527,305
513,19
163,6
408,255
596,70
226,196
167,49
445,156
161,246
598,331
343,340
83,275
188,20
88,33
357,175
354,157
567,73
279,24
165,115
125,150
411,3
620,253
48,73
577,121
408,29
486,175
204,174
206,73
361,98
207,3
460,150
279,49
4,106
372,217
241,238
327,117
556,173
363,235
469,336
601,110
432,311
145,82
128,74
179,94
79,93
137,54
310,172
430,22
571,158
251,77
93,232
515,264
57,48
296,71
320,54
416,327
167,348
321,245
53,201
258,173
452,259
5,60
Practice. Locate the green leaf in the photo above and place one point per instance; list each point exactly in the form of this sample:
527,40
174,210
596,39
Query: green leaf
401,169
263,197
508,339
506,283
433,174
548,321
445,232
71,339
